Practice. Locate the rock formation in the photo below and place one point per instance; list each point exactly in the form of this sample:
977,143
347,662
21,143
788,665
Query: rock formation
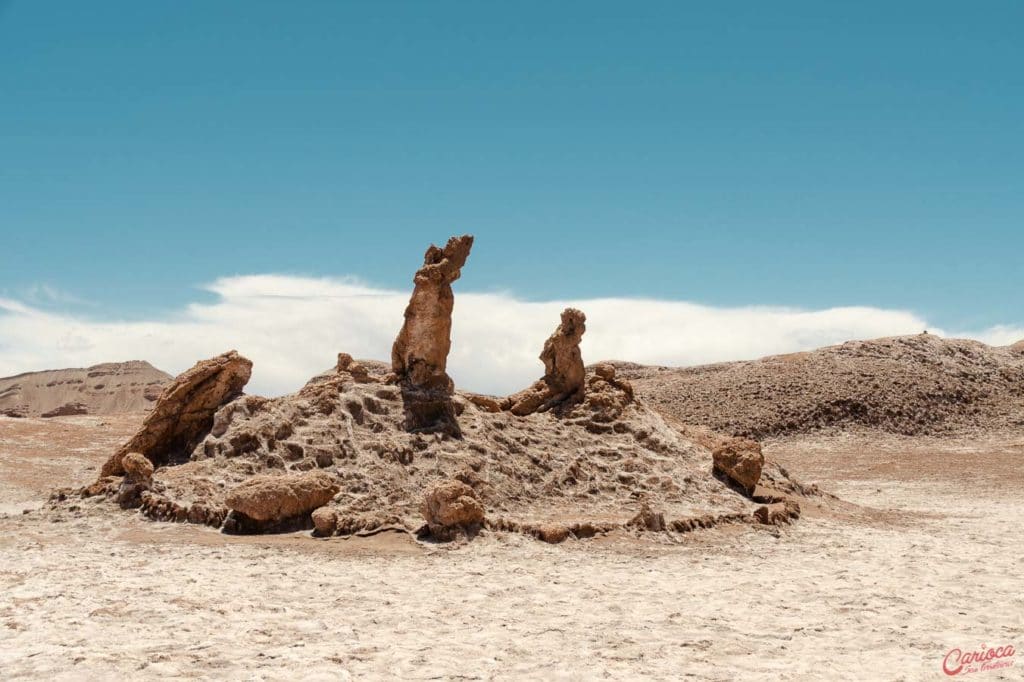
740,460
419,356
184,412
66,410
138,477
268,498
564,377
451,507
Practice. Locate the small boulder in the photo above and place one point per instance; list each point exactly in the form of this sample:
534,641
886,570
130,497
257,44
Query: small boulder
276,498
137,468
777,513
325,520
740,460
553,533
451,507
138,478
648,519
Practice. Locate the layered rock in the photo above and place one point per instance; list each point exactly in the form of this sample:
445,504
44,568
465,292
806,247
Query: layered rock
740,460
419,356
184,413
109,388
564,377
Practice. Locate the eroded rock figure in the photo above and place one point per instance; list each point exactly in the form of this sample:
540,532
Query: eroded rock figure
183,414
564,377
419,356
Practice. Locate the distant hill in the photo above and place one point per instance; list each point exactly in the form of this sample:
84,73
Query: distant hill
110,388
909,385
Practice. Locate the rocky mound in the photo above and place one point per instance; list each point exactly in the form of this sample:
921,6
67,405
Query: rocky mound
908,385
110,388
359,449
579,471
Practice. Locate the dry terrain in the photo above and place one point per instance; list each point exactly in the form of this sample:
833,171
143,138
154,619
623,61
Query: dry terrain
931,562
109,388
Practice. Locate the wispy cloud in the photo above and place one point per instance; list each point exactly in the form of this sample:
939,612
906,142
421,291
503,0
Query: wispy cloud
293,327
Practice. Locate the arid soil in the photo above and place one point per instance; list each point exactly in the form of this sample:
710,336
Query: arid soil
911,385
110,388
929,560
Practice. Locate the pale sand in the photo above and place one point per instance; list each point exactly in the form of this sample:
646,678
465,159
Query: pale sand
112,596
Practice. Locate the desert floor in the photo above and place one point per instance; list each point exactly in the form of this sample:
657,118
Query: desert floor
880,597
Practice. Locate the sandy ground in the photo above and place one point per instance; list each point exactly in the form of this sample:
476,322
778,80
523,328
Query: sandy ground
109,596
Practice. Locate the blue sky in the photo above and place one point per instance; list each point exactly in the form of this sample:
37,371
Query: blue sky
799,154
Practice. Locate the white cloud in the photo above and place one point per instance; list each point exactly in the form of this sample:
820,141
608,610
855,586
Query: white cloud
293,327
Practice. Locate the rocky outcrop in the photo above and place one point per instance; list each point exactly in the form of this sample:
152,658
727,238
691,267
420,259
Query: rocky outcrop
268,498
739,460
184,413
451,508
564,377
419,356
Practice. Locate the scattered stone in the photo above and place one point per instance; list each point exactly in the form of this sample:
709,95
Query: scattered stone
740,460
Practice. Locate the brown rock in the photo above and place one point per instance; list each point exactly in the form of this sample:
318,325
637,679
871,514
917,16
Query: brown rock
184,412
740,460
553,533
359,372
275,498
564,375
137,468
325,520
451,507
648,519
484,402
777,513
419,356
138,477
